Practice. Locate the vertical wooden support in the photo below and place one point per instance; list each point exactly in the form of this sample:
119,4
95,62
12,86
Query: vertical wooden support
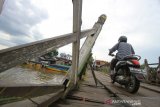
159,61
1,5
77,12
147,69
158,72
85,53
146,63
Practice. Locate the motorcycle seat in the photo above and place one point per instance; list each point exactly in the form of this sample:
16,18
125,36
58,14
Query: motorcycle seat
130,58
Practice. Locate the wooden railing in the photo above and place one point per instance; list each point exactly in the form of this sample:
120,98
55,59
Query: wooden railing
153,71
17,55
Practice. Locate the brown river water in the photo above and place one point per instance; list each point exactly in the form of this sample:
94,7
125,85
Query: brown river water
25,76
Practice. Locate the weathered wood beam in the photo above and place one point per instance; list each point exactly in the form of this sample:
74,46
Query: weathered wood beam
86,50
159,61
89,43
40,101
16,55
1,5
29,91
77,12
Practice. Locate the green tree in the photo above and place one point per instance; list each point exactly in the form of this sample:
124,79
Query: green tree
52,53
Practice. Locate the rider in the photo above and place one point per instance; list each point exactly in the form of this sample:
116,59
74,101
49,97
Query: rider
123,49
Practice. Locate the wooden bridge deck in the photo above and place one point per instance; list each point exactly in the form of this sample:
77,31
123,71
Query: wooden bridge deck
87,95
90,95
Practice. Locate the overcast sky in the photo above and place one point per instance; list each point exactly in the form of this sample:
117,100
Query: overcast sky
24,21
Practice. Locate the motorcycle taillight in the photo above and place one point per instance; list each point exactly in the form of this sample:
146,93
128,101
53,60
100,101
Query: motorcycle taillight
135,62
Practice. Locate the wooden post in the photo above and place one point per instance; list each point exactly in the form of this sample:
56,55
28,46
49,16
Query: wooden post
159,61
158,72
77,12
89,42
1,5
148,70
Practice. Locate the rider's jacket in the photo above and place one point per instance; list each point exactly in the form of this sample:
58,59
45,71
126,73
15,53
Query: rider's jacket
123,49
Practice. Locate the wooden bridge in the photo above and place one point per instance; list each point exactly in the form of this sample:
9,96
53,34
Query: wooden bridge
24,87
18,83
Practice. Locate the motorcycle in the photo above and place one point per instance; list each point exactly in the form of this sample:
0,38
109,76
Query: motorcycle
127,72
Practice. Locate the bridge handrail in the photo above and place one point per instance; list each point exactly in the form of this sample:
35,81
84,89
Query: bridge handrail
13,56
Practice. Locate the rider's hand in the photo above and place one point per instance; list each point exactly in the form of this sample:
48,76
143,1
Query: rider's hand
112,54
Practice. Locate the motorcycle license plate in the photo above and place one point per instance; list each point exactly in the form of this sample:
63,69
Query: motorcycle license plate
138,73
135,70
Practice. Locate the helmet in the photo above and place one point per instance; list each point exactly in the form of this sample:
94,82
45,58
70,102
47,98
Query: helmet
122,39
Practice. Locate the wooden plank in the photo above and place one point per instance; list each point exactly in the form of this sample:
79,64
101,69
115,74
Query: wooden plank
29,91
86,49
93,74
89,43
159,61
86,96
50,100
41,101
16,55
1,5
77,12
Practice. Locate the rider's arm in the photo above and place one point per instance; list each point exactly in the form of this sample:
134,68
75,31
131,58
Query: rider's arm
113,49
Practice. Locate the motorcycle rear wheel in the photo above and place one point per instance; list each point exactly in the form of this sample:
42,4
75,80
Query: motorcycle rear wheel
133,85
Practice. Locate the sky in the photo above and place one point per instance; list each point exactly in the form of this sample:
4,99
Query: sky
25,21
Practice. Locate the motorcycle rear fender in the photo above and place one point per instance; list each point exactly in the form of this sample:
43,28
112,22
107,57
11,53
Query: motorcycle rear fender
120,64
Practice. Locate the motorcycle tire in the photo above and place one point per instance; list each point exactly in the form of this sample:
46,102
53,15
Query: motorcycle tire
134,85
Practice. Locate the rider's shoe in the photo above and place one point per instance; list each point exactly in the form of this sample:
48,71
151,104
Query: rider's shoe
112,78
